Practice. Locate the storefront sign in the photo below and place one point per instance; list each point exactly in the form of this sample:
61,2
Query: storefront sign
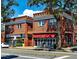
17,35
44,35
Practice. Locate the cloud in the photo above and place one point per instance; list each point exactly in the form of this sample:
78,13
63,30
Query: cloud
29,13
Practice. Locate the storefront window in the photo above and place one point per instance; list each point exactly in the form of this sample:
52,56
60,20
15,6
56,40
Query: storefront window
45,42
38,43
19,42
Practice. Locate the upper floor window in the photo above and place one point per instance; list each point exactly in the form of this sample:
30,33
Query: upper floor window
41,23
18,26
52,21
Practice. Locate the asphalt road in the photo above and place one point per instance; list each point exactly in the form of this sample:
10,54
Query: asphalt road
12,53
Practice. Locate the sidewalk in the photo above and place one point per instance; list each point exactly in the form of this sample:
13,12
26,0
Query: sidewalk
31,48
40,49
32,51
68,49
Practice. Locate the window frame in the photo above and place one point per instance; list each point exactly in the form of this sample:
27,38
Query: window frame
52,21
19,26
41,23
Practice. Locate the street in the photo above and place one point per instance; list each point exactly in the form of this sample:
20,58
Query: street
13,53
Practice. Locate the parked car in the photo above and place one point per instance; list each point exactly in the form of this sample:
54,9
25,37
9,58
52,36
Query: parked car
4,45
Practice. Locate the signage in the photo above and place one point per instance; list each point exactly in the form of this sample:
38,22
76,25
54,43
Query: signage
44,35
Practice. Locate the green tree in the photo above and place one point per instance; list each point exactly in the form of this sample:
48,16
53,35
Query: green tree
56,7
6,10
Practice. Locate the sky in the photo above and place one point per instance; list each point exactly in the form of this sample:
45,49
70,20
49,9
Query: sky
24,9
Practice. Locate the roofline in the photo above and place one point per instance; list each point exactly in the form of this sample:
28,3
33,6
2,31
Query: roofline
41,13
21,17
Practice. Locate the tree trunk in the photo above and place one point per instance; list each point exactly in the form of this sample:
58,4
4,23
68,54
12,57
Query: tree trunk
58,30
73,31
73,34
50,6
59,35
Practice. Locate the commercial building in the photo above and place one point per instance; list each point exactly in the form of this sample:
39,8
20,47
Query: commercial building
43,30
49,30
19,31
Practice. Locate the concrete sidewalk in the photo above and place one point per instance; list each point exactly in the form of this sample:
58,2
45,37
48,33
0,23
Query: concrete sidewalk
68,49
25,47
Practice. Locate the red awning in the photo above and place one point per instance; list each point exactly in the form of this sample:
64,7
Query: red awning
44,36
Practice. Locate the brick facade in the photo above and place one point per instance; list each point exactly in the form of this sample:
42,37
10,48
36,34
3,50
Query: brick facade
41,25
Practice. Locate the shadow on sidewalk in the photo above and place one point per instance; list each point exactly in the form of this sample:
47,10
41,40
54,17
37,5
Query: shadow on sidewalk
9,57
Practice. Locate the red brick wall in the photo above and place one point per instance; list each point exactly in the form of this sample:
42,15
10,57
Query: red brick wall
21,30
37,28
2,36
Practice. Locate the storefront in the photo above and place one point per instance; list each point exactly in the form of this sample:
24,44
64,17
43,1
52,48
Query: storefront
45,40
15,40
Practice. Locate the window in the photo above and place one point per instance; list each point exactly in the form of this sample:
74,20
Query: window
22,35
69,25
18,26
41,23
52,21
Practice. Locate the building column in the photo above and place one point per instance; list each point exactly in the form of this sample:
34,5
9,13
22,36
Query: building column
25,40
33,42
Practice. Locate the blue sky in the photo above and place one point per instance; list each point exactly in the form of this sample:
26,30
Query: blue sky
23,7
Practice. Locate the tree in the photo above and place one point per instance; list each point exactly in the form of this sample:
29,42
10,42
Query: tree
55,7
71,6
6,10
